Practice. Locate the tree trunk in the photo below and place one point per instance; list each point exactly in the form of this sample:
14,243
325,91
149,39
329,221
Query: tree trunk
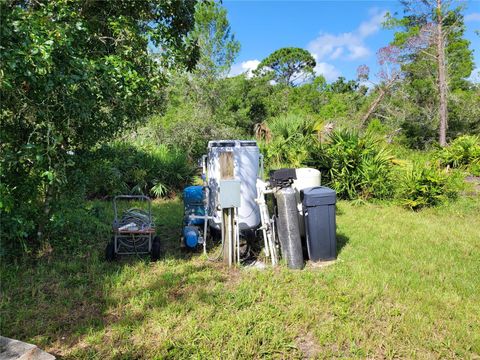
45,215
373,107
442,77
382,91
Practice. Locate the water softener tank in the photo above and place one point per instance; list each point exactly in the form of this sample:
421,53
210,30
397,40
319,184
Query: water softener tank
288,228
234,160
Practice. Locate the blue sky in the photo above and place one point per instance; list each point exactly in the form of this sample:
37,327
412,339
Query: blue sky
341,34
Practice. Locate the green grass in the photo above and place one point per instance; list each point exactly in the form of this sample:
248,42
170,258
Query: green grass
405,285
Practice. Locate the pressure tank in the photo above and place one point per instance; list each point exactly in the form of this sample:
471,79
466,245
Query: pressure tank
234,160
193,204
306,178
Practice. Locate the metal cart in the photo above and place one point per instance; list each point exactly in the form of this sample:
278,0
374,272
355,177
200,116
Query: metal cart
133,232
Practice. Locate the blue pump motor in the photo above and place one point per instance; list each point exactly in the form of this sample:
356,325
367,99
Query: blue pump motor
193,201
190,236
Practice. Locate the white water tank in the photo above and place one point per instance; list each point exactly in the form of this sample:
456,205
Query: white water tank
239,160
306,177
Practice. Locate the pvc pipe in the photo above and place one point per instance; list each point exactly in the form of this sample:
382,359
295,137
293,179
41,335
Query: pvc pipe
260,200
204,168
205,222
273,252
267,227
230,238
261,167
222,227
237,234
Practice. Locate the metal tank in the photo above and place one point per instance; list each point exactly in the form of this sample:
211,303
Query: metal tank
234,160
288,228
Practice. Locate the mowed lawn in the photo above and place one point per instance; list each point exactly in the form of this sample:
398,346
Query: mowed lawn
405,285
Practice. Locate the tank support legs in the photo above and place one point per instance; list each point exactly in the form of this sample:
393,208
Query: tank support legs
230,236
268,231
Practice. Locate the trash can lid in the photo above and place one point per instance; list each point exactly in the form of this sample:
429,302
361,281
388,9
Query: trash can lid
318,195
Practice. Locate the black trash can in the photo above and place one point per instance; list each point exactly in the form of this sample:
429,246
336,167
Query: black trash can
320,228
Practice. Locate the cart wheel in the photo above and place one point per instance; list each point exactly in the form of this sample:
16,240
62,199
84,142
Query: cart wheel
155,253
110,251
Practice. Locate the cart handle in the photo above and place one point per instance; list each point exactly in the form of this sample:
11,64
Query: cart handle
132,197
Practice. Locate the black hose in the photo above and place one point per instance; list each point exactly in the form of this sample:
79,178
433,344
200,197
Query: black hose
141,219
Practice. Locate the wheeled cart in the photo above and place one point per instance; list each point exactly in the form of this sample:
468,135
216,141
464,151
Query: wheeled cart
133,232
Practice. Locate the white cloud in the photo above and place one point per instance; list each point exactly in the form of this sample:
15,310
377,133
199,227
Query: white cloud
245,67
348,45
358,52
472,17
372,25
475,76
337,53
250,65
329,71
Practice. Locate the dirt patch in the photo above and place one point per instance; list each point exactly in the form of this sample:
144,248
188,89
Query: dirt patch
475,181
308,346
320,264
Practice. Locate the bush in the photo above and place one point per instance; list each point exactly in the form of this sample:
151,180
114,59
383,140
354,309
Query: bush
75,224
20,207
376,126
355,166
463,152
425,186
291,140
189,131
123,168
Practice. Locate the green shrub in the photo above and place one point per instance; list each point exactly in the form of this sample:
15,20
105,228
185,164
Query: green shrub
20,207
475,169
121,168
463,152
376,126
291,140
413,155
425,186
189,131
75,224
355,166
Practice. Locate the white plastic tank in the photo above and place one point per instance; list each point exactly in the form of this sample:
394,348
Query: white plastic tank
234,159
306,177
